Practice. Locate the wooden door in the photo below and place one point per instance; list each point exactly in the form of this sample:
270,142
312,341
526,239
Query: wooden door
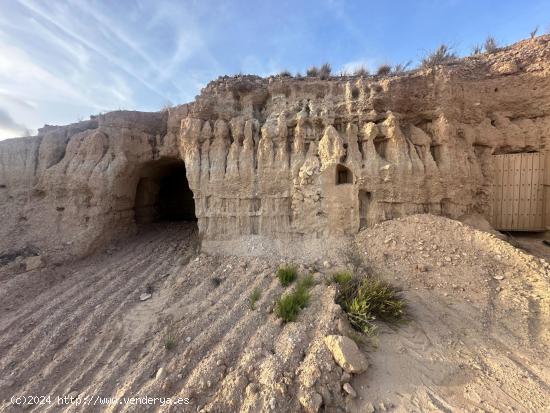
518,192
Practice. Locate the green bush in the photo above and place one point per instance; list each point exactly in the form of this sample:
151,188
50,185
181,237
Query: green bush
287,274
368,299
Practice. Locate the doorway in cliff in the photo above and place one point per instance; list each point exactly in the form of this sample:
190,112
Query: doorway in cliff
163,193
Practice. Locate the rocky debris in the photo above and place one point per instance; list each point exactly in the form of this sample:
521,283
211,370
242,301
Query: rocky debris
349,390
369,408
347,354
311,401
145,296
505,68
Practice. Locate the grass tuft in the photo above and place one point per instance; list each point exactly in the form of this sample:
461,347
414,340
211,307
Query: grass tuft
401,68
368,299
341,278
383,70
477,49
255,295
443,54
287,274
169,342
490,44
324,71
306,282
289,305
312,72
353,257
361,71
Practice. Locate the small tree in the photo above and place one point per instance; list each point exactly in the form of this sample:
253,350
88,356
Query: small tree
534,32
477,49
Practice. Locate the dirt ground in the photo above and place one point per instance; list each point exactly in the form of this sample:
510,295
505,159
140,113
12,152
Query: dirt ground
477,338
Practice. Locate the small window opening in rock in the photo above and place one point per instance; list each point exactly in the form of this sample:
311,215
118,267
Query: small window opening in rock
496,89
355,93
343,175
163,193
493,122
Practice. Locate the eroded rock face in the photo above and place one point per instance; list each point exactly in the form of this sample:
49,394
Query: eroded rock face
283,160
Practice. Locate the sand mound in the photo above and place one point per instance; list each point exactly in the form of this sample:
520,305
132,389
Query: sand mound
478,337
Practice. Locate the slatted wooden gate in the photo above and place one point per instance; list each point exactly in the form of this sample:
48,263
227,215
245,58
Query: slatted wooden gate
518,192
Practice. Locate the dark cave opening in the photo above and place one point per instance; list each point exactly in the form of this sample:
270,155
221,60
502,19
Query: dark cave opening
163,193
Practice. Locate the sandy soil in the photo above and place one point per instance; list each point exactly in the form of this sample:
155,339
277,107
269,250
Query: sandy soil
81,330
477,339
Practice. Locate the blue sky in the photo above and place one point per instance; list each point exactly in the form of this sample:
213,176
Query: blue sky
61,61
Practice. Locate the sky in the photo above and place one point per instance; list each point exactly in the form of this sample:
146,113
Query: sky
62,61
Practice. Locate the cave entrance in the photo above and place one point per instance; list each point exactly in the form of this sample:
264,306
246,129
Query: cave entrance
163,193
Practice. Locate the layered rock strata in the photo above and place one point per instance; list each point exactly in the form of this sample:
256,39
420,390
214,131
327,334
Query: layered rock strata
286,161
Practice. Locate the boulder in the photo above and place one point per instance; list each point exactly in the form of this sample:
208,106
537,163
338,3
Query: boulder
346,354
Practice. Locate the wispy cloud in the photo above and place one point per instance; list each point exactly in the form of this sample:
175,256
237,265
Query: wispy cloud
65,23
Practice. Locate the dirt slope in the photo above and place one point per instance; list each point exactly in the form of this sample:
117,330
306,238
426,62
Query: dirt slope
81,329
479,337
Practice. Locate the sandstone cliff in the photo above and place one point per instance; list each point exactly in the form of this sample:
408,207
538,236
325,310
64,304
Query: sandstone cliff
285,161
